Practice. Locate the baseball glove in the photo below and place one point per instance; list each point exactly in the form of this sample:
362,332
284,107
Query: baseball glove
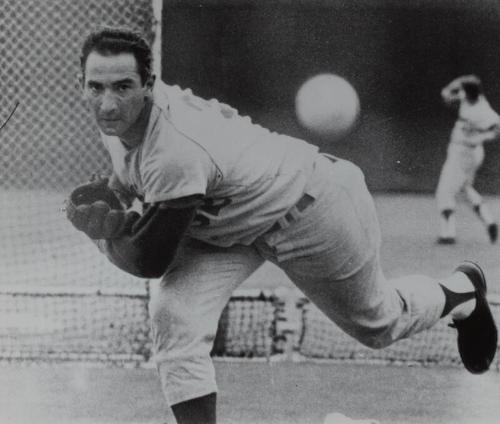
96,210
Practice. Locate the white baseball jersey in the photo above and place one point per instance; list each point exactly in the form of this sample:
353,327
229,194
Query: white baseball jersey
465,154
249,176
472,128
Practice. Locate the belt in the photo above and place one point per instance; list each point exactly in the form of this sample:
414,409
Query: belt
303,203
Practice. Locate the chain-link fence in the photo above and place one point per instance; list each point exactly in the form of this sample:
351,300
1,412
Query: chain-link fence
51,141
50,145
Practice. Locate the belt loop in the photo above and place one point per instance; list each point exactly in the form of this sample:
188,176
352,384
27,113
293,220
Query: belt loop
304,202
293,214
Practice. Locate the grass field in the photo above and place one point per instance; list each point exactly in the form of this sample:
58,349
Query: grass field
253,393
41,248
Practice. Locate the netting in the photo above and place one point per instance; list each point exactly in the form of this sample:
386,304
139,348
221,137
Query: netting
74,326
247,327
84,325
51,143
321,339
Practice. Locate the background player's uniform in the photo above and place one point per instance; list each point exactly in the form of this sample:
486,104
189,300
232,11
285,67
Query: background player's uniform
476,124
266,197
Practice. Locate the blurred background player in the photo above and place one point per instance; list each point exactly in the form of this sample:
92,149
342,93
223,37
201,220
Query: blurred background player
476,124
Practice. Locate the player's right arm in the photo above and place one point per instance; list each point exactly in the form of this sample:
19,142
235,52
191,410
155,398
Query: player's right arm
150,244
473,136
453,93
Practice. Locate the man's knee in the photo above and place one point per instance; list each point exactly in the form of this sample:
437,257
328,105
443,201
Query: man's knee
181,346
178,331
165,311
375,342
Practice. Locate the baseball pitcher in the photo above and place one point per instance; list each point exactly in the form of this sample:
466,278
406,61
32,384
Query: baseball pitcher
220,195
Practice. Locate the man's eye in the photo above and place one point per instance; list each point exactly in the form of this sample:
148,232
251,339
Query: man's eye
122,88
94,89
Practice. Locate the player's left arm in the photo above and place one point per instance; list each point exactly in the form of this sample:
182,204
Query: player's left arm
492,134
452,93
149,246
476,137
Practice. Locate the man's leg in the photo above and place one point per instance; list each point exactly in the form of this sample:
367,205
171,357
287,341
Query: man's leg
372,309
378,312
331,253
196,411
447,226
447,189
185,309
482,211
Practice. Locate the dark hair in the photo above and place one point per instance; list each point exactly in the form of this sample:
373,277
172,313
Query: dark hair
114,40
472,90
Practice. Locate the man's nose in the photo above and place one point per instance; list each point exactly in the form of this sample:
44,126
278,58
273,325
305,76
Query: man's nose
109,103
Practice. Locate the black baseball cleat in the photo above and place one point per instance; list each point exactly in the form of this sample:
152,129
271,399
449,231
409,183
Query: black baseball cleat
493,232
477,334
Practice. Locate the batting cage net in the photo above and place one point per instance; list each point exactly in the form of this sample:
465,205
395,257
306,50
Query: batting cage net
50,144
92,326
49,274
60,299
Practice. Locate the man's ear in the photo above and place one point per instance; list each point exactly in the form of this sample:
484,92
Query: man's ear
80,81
150,82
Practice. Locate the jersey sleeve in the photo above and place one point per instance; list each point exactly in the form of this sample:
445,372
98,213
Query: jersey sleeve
150,244
183,172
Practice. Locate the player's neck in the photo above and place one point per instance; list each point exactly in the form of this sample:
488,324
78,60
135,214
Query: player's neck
134,136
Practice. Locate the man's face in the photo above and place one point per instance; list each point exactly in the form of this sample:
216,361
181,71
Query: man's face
114,92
